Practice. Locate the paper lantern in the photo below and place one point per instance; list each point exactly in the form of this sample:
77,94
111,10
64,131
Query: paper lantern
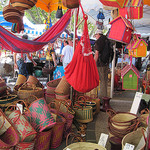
113,3
132,9
121,30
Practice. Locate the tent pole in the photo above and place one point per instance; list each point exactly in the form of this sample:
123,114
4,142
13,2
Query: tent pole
113,72
74,39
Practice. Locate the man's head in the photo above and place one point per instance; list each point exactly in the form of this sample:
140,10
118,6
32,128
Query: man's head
65,43
70,41
25,36
98,33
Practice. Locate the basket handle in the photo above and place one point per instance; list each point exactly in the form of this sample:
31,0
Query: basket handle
57,106
27,99
111,112
77,106
26,84
80,98
3,120
145,111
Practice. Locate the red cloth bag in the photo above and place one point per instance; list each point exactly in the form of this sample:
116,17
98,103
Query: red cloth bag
81,72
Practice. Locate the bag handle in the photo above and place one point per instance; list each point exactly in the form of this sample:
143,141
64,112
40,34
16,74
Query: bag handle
145,111
26,84
77,106
27,99
57,106
111,112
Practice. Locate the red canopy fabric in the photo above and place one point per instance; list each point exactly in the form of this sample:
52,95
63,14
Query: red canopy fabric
11,42
81,72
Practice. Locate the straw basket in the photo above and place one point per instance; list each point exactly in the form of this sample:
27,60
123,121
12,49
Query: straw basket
49,98
51,86
63,87
57,132
70,3
28,89
23,4
143,117
25,146
136,138
41,118
7,100
65,97
26,131
11,14
9,134
43,140
33,80
21,79
84,146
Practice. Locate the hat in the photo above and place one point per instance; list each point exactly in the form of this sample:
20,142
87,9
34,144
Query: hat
98,31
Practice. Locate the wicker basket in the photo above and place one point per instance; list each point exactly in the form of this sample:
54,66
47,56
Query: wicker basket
49,98
21,79
23,4
25,145
65,97
51,86
71,3
3,86
63,88
27,90
84,145
11,14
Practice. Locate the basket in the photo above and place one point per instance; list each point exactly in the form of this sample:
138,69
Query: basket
11,14
43,140
84,145
49,98
143,117
64,97
26,131
7,100
57,132
63,88
51,86
25,146
28,89
21,79
9,134
136,138
23,4
32,80
41,118
71,3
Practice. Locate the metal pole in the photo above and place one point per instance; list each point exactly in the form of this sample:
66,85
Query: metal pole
74,39
113,72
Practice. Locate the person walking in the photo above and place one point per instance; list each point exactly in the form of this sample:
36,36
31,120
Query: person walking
67,54
102,68
50,59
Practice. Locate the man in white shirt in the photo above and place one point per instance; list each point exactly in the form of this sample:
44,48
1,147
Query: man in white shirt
67,54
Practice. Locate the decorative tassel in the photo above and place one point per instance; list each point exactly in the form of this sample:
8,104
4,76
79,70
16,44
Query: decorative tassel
31,56
39,54
43,52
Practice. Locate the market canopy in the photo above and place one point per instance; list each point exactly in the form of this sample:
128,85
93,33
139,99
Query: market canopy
11,42
49,5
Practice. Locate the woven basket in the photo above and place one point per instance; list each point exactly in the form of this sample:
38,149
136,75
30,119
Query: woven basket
27,90
41,118
84,146
134,139
63,97
43,140
33,80
23,4
9,134
57,132
143,117
21,79
51,86
3,86
7,100
26,131
71,3
49,98
11,14
25,146
63,88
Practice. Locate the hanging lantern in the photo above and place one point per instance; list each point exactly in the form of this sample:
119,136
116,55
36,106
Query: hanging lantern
100,14
113,3
132,9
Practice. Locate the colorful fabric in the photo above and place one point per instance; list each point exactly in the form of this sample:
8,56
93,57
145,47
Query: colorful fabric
11,42
49,54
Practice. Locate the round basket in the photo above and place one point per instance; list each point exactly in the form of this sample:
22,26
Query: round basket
63,87
49,98
51,86
11,14
21,79
25,145
23,4
84,145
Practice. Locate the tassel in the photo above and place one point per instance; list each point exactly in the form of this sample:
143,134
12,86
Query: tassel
43,52
39,54
31,56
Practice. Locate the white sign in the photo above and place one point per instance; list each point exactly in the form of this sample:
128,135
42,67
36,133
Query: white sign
103,139
20,107
128,147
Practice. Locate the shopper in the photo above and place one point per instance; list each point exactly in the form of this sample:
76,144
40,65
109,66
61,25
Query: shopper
50,59
67,54
102,68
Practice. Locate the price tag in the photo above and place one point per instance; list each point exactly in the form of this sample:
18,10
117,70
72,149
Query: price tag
103,139
20,107
128,147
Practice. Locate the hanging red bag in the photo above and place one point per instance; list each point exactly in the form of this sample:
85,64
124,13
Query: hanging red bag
81,72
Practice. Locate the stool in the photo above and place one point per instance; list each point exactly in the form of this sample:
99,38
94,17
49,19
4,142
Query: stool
106,104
